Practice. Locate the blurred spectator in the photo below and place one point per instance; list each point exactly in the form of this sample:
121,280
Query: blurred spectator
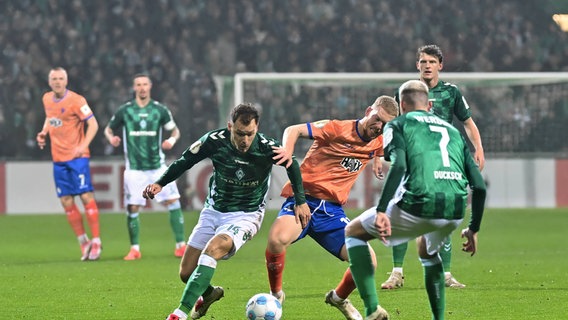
183,43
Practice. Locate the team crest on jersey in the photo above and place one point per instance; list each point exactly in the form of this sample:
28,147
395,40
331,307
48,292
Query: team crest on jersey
86,110
352,165
240,174
320,124
387,137
194,148
143,124
55,122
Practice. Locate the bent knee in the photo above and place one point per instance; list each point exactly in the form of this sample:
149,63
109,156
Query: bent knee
184,275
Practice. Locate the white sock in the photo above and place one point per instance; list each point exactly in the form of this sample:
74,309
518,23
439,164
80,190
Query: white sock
180,313
397,269
83,238
277,294
136,247
335,297
447,274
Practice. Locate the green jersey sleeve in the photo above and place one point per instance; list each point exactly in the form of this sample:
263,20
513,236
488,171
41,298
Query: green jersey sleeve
479,191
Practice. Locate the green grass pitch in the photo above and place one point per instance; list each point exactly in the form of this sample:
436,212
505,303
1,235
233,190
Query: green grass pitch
519,272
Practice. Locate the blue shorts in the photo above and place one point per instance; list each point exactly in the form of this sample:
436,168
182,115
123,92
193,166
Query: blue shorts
327,225
72,177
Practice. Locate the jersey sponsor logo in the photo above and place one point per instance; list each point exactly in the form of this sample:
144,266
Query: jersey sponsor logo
241,162
86,110
142,133
194,148
447,175
352,165
240,174
217,135
55,122
253,183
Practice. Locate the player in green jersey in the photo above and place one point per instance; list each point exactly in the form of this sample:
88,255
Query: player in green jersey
424,198
447,102
142,122
234,209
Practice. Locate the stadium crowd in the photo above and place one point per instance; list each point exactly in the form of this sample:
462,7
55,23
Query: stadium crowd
183,44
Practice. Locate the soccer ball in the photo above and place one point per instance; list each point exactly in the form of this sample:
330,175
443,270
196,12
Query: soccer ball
263,306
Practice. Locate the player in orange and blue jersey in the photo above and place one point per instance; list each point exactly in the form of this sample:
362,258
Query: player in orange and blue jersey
66,115
339,153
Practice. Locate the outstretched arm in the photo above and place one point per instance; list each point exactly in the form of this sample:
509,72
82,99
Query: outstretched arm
289,138
473,134
479,193
301,209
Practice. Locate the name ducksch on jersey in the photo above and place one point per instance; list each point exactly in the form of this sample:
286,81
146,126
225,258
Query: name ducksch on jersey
448,175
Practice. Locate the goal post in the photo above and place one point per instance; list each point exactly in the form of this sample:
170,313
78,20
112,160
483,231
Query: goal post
517,113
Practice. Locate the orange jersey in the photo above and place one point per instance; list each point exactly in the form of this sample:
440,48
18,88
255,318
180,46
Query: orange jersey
66,123
334,161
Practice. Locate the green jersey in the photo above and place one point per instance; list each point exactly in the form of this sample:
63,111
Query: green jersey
240,181
447,101
142,133
437,166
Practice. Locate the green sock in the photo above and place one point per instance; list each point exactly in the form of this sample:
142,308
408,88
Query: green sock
364,275
436,289
398,253
195,287
133,223
176,222
446,254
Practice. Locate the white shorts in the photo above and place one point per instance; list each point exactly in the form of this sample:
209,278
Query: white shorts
136,180
406,227
240,226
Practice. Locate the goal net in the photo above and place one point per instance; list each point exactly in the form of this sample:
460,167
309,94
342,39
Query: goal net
516,112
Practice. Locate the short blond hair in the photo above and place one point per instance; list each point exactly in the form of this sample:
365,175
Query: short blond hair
388,104
413,95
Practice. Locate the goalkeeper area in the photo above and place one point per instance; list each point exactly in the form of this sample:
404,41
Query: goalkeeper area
515,112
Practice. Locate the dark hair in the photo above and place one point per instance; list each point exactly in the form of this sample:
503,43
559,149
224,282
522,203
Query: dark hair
432,50
245,112
141,75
